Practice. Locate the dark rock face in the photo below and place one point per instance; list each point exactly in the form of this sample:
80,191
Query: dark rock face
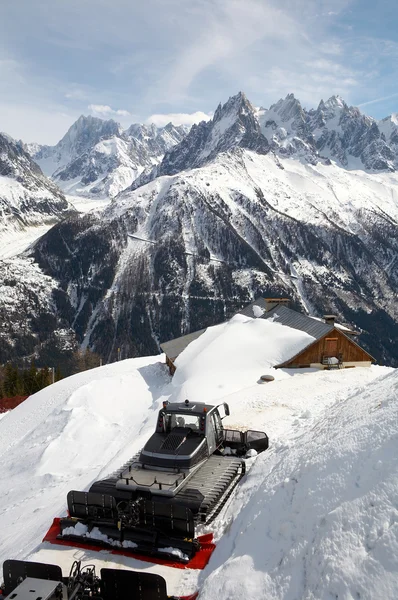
26,196
30,325
215,249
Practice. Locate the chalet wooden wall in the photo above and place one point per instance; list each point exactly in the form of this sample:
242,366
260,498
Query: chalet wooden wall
170,364
349,350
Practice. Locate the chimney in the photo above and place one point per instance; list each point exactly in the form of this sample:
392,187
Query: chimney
270,303
329,319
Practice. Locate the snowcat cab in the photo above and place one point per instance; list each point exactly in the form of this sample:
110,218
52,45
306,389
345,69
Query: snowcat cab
25,580
183,476
186,435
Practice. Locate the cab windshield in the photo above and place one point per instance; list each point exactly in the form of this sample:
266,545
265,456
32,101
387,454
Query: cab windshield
182,420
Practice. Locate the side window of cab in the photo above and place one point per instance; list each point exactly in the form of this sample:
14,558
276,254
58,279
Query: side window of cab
218,429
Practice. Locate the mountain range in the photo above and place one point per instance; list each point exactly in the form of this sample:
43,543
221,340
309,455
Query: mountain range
276,202
96,157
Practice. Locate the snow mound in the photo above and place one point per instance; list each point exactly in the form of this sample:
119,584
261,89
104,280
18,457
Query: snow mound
319,520
68,435
233,355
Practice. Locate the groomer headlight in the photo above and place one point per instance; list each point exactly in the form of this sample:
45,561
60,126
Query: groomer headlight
186,402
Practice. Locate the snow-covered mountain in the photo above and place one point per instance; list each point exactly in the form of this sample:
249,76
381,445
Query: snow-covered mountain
30,324
332,131
389,128
97,157
185,251
234,125
253,202
27,197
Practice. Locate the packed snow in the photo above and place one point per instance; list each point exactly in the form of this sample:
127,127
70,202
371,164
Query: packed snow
95,534
319,519
315,518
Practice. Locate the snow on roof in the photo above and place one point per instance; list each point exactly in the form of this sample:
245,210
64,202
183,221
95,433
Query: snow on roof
174,347
319,519
233,355
258,310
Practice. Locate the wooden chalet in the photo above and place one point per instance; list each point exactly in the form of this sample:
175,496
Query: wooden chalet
334,345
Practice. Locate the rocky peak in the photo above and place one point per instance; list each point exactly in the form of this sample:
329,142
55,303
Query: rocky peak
342,132
389,128
334,102
331,109
14,160
235,107
86,132
170,127
27,197
141,132
284,125
287,109
234,125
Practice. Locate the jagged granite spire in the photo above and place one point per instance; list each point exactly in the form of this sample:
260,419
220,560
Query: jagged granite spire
234,124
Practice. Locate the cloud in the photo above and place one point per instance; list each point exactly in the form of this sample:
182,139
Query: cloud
76,93
105,110
377,100
185,57
231,28
160,120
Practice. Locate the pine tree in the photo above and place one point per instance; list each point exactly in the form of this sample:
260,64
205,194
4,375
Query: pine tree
58,374
12,384
43,378
29,379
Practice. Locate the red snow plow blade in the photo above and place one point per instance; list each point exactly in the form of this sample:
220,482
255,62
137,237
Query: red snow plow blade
198,561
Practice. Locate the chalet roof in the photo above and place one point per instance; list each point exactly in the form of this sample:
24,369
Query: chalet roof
174,347
248,311
291,318
280,313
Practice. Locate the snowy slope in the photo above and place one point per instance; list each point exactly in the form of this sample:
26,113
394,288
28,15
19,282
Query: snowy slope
83,427
66,436
249,347
27,197
15,242
319,518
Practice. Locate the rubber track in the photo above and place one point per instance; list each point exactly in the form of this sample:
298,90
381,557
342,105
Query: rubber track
214,481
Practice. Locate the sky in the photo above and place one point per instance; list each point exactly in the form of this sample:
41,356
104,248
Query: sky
162,60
